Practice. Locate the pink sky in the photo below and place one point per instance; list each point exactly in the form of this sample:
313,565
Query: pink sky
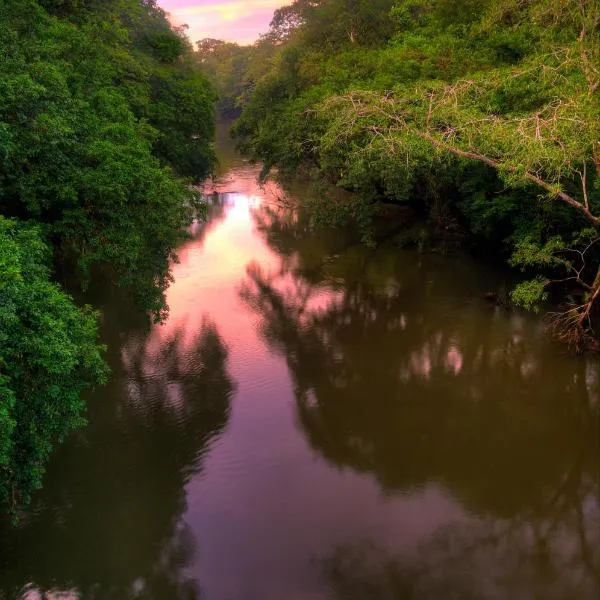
232,20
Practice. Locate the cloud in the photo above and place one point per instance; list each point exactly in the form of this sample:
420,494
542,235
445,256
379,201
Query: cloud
228,11
235,20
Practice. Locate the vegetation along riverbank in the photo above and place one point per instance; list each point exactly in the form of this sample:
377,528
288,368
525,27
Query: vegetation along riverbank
103,111
483,115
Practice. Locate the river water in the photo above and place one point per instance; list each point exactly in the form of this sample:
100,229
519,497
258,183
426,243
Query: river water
318,420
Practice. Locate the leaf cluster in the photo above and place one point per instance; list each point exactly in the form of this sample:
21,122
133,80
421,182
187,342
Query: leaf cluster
49,355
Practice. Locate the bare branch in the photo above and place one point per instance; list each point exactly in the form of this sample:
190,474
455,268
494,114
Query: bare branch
450,136
596,156
583,177
533,178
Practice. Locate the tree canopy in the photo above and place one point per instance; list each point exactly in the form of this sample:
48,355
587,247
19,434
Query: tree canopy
485,115
103,110
48,356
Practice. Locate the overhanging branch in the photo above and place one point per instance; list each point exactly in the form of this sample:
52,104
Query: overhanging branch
563,196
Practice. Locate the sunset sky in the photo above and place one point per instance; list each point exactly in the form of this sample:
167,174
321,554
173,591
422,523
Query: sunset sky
233,20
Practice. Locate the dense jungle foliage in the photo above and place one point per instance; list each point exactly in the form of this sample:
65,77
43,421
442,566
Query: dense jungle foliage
484,115
102,110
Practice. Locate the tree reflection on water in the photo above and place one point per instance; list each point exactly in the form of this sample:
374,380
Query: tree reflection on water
513,558
400,371
109,522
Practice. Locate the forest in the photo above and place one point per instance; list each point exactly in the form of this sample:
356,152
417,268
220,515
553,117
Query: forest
482,117
105,118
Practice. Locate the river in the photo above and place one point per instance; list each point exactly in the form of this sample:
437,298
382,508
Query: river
319,420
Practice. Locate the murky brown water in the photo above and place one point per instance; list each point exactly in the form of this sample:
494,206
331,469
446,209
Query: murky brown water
320,421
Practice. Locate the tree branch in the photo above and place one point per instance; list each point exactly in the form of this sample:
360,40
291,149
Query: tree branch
596,156
533,178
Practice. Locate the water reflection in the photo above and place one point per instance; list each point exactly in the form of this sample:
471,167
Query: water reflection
516,559
395,377
109,516
393,435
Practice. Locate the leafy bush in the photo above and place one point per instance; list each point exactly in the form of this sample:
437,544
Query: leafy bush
48,356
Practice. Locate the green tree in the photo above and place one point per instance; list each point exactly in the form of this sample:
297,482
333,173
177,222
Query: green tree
484,114
98,105
536,123
102,109
48,356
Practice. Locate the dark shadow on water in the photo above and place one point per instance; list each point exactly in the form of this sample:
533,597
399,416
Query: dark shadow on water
402,371
414,400
108,523
509,559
